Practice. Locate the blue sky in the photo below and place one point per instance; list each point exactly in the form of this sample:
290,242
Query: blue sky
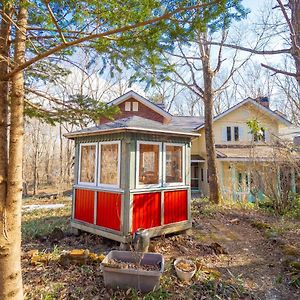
254,4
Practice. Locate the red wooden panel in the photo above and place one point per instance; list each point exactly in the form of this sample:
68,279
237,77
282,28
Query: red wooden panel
146,211
175,206
109,210
84,205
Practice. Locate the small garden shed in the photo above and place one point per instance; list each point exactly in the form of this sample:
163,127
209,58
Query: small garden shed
129,174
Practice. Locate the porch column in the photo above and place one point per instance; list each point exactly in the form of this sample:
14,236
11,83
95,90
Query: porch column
233,180
222,177
199,178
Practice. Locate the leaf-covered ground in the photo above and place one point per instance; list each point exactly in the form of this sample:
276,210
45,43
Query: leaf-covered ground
240,252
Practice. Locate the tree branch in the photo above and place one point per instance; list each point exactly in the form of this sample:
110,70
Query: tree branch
260,52
220,61
60,47
281,71
290,25
37,107
55,22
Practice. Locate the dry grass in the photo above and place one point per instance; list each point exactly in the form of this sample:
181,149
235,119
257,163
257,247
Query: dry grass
252,269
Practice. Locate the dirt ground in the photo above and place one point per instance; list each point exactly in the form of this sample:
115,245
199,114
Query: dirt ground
240,252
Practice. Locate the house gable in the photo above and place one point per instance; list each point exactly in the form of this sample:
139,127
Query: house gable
250,104
133,104
236,118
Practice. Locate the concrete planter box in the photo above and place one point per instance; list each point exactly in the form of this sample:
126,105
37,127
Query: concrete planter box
142,280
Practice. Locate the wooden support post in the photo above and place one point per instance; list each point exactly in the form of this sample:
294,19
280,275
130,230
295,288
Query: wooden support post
199,177
127,182
76,163
222,178
233,180
76,175
188,178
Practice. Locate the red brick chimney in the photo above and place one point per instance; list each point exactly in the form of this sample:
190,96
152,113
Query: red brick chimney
264,101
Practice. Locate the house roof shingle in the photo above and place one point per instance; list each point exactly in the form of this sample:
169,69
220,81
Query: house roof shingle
253,153
186,122
275,114
185,125
135,123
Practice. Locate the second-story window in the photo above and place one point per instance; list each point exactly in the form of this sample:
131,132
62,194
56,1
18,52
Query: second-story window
231,133
260,136
135,106
127,106
236,133
228,132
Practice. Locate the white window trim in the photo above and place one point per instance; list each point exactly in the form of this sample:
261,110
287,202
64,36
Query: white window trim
232,126
79,165
137,175
165,183
99,164
231,140
239,133
135,106
127,106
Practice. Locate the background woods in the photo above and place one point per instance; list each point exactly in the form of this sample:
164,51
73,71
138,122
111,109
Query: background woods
62,61
35,36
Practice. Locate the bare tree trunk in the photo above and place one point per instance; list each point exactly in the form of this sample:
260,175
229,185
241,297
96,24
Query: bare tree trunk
36,156
61,179
69,161
214,193
35,173
10,259
295,36
4,90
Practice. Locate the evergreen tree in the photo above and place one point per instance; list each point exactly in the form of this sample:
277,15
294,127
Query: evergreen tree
35,32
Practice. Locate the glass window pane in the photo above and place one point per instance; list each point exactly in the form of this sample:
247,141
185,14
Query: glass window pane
236,133
149,164
87,163
173,164
127,106
109,164
228,133
135,106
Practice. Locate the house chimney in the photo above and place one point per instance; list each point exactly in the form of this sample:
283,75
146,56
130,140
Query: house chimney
264,101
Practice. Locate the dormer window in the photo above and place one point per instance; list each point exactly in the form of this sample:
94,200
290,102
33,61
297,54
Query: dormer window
135,106
127,106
